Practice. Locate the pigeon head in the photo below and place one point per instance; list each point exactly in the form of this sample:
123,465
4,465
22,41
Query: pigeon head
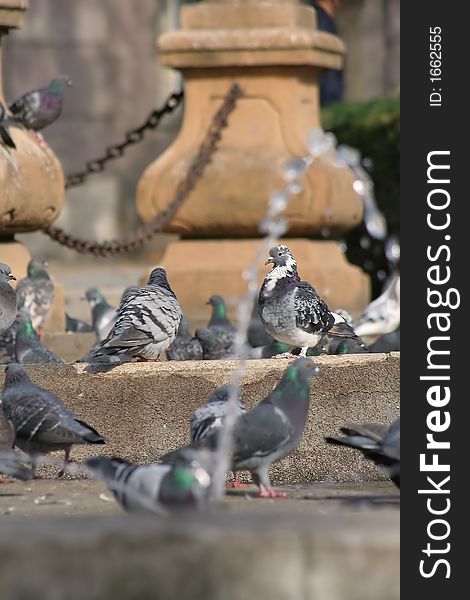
219,310
5,273
94,297
282,259
188,483
158,277
58,84
296,376
37,268
14,373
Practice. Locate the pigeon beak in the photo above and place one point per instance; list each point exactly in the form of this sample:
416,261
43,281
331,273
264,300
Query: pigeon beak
12,277
270,261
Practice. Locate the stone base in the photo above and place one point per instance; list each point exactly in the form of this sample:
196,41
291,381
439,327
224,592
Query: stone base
199,268
17,257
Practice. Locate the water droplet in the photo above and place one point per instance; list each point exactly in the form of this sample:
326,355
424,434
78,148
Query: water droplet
325,232
392,250
368,164
364,242
381,275
375,224
342,245
368,265
294,168
294,187
347,155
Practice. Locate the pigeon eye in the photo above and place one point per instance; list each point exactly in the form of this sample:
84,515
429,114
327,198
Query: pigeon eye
2,272
279,253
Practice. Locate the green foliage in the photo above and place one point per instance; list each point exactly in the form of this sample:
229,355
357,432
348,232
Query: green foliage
373,128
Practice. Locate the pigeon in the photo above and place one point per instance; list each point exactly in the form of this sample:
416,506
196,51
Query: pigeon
39,108
76,325
185,346
347,346
148,320
209,418
271,430
5,122
155,487
257,334
217,343
218,338
377,443
28,347
7,434
219,314
383,314
291,309
389,342
14,464
35,293
7,298
103,315
41,421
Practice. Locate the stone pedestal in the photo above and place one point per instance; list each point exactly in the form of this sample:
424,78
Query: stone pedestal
276,54
31,178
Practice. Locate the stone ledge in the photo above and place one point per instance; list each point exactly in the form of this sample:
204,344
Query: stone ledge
262,554
143,409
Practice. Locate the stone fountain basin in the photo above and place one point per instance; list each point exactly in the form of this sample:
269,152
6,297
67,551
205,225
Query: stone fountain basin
143,409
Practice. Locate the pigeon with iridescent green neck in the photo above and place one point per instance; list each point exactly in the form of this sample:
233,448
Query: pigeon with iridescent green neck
7,298
39,108
271,430
218,338
35,293
28,347
155,488
292,310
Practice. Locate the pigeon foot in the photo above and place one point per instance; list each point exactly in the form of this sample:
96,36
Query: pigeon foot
236,485
270,492
4,480
284,355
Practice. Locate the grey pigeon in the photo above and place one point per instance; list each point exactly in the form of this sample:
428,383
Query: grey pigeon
7,298
14,464
7,434
73,325
103,315
209,418
156,487
376,442
217,343
389,342
382,315
41,421
271,430
347,346
39,108
28,347
5,122
291,309
218,338
184,346
35,293
147,322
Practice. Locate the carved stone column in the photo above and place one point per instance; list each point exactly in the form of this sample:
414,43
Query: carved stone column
31,178
274,51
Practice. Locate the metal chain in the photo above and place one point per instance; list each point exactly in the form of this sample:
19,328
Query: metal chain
132,137
144,233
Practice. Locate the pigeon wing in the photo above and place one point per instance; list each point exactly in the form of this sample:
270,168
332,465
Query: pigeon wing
311,312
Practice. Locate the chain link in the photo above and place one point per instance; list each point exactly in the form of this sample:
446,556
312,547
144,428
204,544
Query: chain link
144,233
132,137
